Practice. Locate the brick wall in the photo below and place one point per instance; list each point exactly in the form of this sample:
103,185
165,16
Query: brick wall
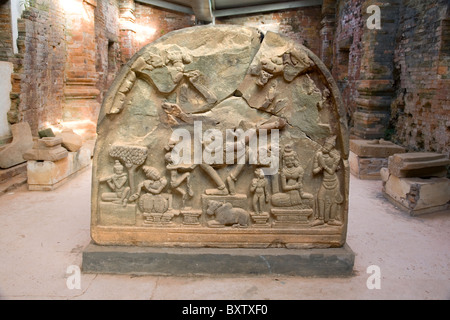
108,46
348,50
302,25
140,24
152,23
420,114
6,43
38,80
52,56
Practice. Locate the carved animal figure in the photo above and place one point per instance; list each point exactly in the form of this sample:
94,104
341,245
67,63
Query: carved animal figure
226,215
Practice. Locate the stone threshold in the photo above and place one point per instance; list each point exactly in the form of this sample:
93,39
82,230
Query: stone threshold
326,262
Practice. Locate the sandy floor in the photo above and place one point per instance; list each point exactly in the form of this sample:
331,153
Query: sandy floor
42,234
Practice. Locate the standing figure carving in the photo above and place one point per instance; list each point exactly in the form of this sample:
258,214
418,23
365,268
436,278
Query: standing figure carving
329,197
260,190
178,175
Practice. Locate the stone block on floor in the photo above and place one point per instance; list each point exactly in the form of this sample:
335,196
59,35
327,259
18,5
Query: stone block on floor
418,164
46,149
49,175
12,154
367,157
70,140
330,262
417,195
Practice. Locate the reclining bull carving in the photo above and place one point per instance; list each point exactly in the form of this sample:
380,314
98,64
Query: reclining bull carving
226,215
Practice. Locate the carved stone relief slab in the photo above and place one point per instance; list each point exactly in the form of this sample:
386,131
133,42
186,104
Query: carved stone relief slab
214,137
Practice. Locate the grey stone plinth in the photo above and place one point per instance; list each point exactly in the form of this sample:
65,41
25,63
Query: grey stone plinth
327,262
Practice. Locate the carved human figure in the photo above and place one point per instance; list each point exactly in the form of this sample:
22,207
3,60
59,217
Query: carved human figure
264,77
260,190
230,186
154,61
149,61
270,97
291,63
132,156
117,183
269,68
271,104
176,59
178,176
153,187
291,176
323,101
295,62
329,197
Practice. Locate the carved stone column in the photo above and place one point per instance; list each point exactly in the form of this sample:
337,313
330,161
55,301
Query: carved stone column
81,107
127,28
327,32
376,84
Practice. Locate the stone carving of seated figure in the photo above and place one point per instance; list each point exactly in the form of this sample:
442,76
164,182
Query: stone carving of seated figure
152,200
117,183
291,181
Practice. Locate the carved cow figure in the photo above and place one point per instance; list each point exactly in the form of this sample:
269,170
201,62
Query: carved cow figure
226,215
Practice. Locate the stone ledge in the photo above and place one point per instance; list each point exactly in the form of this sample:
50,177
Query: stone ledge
13,183
374,148
416,196
7,174
330,262
415,213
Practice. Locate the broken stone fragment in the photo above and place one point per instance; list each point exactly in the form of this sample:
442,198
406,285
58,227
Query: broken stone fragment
46,149
375,148
46,133
70,140
416,195
12,154
49,175
418,164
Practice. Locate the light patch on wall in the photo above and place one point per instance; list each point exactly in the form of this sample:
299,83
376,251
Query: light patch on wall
55,128
74,7
17,8
144,33
80,127
6,69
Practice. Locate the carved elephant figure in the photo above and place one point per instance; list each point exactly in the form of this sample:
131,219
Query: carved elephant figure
226,215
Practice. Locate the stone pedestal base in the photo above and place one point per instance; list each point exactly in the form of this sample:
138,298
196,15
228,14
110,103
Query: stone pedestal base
331,262
367,157
260,220
156,219
191,217
417,195
366,168
49,175
289,218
